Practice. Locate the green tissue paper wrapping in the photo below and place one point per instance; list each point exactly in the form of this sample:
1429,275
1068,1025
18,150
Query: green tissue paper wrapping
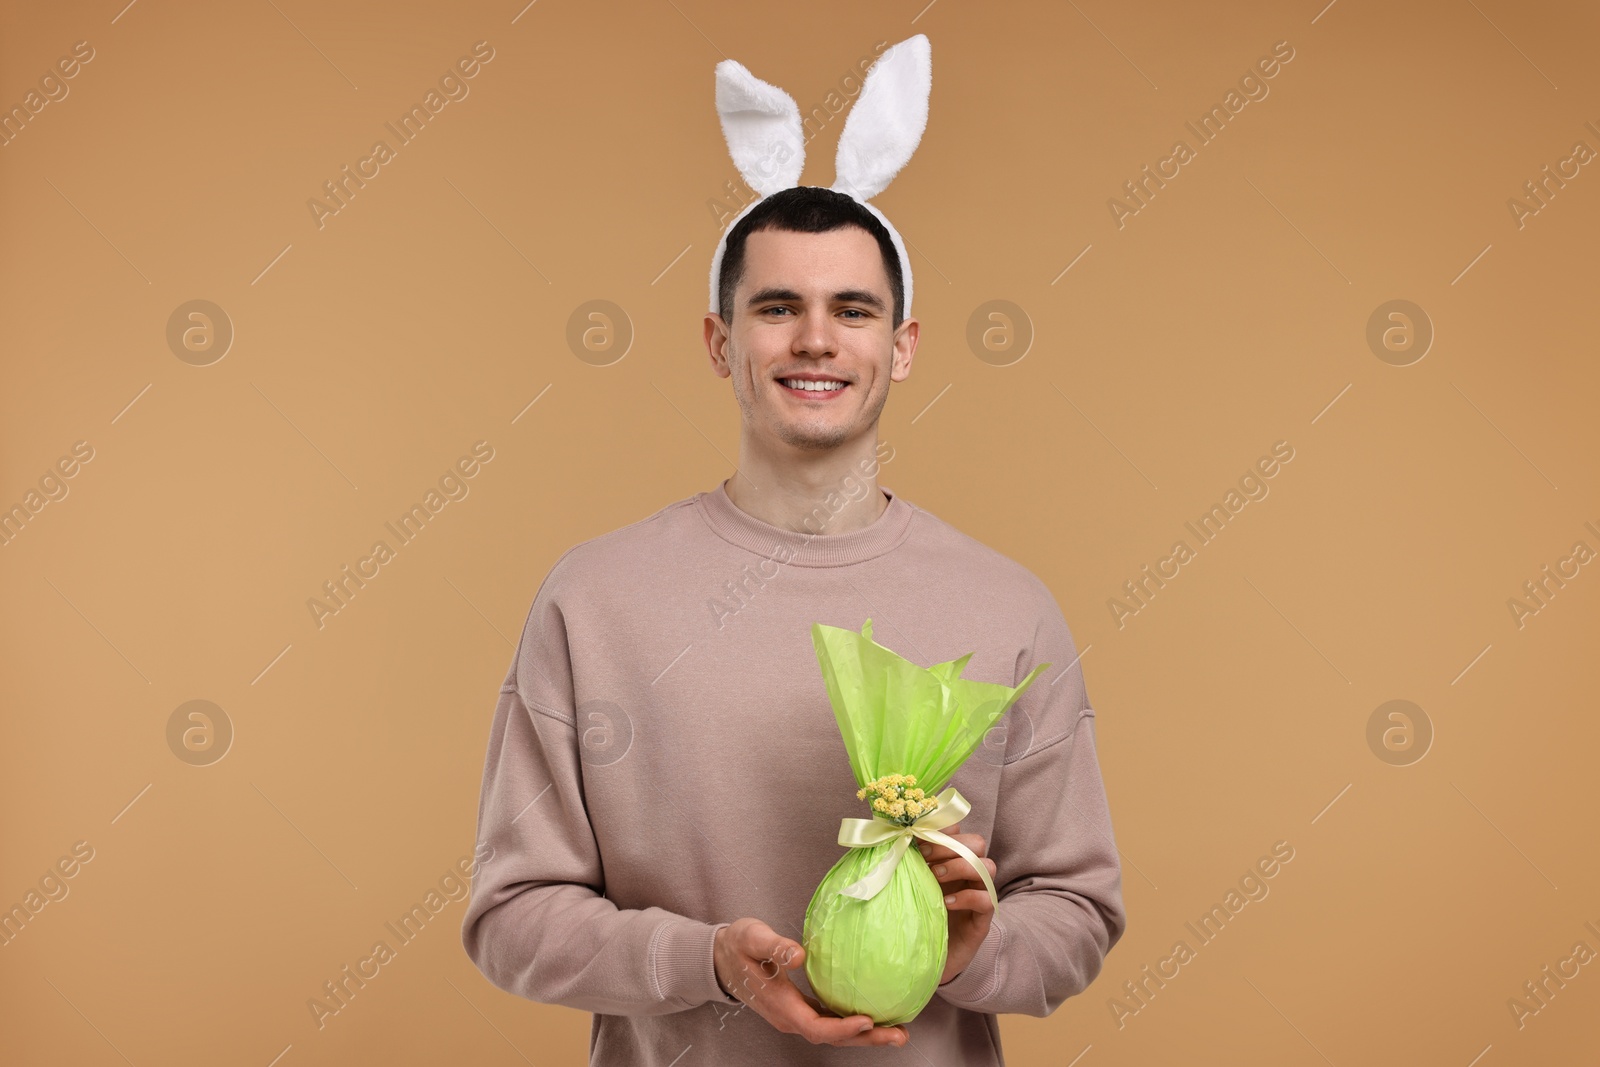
876,931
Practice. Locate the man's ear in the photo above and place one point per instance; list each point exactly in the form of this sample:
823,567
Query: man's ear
905,347
716,333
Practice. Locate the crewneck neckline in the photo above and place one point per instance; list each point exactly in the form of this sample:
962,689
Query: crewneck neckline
800,548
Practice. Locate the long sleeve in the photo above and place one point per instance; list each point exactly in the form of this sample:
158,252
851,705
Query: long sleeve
1057,868
536,923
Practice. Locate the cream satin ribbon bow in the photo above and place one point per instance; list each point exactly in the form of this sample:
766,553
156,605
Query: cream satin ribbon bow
864,833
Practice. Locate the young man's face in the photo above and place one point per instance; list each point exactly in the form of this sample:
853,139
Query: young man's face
811,305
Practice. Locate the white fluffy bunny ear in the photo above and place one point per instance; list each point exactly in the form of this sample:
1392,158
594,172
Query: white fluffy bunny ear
886,122
761,124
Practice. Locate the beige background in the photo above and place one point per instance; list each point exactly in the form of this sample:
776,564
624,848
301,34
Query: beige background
1230,313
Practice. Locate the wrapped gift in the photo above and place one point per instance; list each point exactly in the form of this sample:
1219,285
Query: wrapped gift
877,931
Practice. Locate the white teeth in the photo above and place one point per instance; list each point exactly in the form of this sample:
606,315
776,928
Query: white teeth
796,383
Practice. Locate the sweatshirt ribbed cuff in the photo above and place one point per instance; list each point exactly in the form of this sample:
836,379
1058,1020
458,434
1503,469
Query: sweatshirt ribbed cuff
982,976
685,967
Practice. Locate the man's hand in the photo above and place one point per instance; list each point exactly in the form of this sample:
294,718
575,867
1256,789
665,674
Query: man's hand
751,958
970,909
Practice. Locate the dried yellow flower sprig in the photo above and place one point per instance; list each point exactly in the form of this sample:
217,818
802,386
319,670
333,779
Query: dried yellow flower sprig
896,796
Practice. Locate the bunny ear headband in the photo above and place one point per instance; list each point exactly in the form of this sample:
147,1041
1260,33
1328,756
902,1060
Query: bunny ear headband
761,124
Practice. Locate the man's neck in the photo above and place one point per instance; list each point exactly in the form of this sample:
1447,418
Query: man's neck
789,497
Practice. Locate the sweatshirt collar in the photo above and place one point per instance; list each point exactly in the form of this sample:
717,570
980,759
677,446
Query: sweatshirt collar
803,548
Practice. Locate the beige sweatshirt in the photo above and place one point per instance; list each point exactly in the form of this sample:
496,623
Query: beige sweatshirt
663,760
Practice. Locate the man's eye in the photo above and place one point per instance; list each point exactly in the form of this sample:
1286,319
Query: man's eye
776,308
856,311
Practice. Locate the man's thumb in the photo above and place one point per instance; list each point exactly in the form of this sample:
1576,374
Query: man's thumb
786,953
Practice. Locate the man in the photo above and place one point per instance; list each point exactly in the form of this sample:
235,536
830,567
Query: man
665,779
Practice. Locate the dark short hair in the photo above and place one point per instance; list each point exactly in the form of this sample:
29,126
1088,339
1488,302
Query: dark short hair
806,209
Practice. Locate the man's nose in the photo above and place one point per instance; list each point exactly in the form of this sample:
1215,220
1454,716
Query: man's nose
815,334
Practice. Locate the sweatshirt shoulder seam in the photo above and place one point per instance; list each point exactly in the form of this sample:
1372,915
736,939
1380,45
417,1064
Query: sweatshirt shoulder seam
551,713
1034,750
534,705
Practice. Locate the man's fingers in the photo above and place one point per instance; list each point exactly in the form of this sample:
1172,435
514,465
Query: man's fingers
831,1030
959,870
792,1012
934,852
969,900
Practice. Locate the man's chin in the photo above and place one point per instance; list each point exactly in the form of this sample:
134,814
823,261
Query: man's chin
813,440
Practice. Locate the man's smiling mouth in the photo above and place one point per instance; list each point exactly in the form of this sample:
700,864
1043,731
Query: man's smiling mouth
825,385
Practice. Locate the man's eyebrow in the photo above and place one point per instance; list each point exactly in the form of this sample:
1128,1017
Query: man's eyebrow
771,292
859,296
843,296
